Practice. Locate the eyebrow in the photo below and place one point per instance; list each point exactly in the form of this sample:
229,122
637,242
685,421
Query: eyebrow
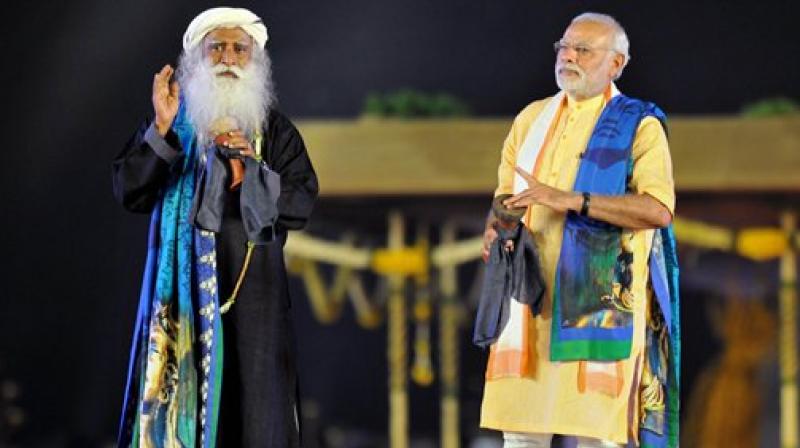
223,42
581,42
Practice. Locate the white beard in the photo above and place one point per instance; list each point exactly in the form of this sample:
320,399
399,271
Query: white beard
587,85
574,87
244,101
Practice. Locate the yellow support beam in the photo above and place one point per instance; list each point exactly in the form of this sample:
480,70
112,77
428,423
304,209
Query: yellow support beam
371,157
762,244
697,233
303,245
408,261
787,355
757,243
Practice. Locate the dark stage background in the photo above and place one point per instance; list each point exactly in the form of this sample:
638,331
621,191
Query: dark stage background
76,82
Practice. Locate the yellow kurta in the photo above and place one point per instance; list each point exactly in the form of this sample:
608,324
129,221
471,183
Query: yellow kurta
548,399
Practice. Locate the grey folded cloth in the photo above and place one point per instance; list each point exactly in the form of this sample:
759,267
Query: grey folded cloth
261,188
258,198
514,274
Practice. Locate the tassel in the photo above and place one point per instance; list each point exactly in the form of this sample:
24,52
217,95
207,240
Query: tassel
229,303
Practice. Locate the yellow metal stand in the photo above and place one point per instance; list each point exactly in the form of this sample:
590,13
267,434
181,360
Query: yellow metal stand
398,381
398,262
448,347
788,337
422,367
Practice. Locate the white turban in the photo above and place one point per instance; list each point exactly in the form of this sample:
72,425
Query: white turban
213,18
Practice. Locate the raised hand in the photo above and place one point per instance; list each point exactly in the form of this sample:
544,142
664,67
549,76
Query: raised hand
539,193
165,99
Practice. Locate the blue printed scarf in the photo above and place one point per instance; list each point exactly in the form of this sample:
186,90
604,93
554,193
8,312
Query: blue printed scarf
175,371
594,271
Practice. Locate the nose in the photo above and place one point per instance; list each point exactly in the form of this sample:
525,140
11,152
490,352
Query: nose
567,55
228,56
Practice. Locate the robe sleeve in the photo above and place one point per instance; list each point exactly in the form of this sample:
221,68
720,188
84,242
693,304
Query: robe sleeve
286,154
140,171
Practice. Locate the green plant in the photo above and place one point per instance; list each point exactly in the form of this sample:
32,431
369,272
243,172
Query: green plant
771,107
408,103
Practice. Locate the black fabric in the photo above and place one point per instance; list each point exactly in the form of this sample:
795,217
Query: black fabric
138,174
259,385
510,274
298,182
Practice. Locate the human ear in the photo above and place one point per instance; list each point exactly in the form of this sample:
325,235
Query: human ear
617,64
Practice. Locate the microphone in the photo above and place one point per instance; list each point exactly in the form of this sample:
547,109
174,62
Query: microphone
219,129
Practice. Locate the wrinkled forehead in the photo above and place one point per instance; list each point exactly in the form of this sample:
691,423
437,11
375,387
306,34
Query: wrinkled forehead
228,35
587,32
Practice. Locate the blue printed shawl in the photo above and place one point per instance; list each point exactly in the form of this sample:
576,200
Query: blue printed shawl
175,370
594,272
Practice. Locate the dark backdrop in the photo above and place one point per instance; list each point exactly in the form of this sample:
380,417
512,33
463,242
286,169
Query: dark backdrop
76,81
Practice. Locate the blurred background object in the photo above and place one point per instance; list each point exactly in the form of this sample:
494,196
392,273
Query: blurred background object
404,107
715,415
12,416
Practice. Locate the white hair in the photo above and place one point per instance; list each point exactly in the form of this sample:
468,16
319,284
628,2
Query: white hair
619,41
210,98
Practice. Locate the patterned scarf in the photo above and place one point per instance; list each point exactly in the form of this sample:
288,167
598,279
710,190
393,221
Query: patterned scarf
595,271
595,261
661,376
175,369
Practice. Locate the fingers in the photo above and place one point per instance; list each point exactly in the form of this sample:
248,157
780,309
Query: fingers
525,175
510,202
163,75
236,140
161,79
524,199
247,152
166,72
489,235
235,135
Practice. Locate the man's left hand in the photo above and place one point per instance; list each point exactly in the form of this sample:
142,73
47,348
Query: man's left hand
236,140
539,193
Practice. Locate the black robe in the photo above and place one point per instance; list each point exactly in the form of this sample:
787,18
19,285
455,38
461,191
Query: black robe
259,405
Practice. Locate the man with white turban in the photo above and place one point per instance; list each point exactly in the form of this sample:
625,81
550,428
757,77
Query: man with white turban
224,176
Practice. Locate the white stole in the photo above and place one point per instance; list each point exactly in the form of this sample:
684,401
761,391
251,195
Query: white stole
513,336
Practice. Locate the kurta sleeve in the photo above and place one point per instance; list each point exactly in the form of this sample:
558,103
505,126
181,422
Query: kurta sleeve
286,154
141,169
652,164
508,160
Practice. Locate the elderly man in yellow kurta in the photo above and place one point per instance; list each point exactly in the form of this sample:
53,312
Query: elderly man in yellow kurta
598,360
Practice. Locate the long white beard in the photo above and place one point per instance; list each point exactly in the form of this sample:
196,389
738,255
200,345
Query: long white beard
245,100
